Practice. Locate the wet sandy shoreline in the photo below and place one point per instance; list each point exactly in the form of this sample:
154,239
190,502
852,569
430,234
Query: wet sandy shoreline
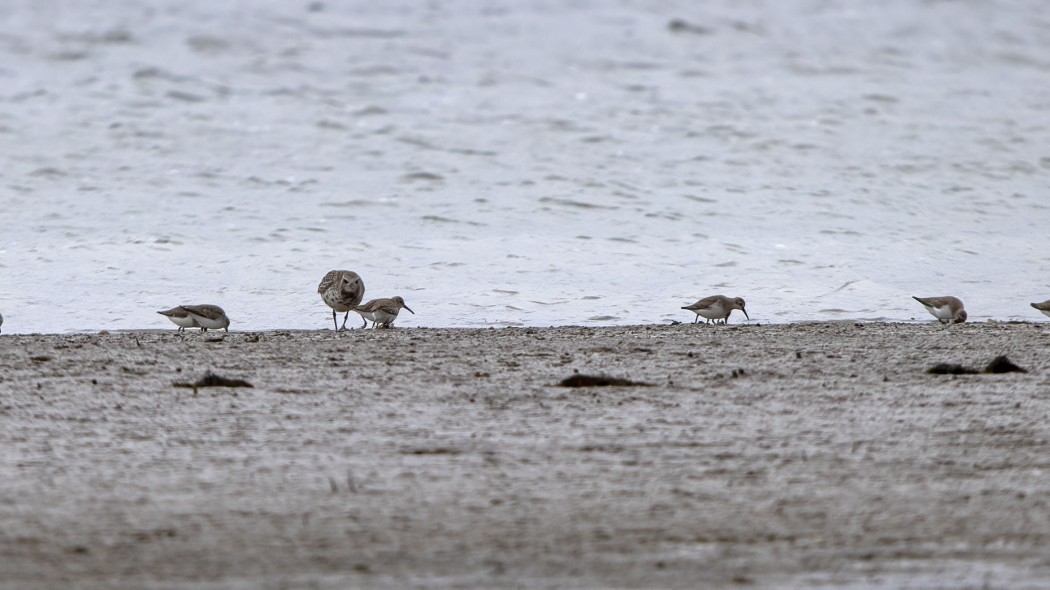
760,456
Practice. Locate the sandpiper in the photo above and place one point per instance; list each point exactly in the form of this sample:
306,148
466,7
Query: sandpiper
180,317
717,307
382,312
1043,307
341,290
208,317
947,310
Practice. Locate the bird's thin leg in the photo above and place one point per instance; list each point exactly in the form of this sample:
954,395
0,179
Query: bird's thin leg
344,319
335,322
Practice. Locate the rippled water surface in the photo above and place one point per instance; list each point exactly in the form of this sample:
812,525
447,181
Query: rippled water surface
522,163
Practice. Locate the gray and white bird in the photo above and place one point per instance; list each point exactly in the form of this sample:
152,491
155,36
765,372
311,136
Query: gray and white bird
947,309
208,317
1043,307
716,307
342,290
382,312
180,317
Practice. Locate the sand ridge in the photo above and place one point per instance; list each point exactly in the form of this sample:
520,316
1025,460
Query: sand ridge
761,456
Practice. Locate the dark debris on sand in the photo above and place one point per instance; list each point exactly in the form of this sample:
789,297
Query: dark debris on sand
999,364
581,380
951,369
212,380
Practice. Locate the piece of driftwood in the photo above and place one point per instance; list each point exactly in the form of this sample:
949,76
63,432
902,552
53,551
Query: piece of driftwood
212,380
999,364
581,380
951,369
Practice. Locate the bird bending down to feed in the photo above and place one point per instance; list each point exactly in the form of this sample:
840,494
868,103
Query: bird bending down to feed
1043,307
180,317
947,310
208,317
382,312
717,307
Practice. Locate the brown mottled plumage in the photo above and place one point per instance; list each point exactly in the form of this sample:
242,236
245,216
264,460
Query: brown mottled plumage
341,290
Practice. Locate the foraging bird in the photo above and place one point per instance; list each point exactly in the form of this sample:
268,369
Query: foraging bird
208,317
382,312
716,307
180,317
947,310
1043,307
341,290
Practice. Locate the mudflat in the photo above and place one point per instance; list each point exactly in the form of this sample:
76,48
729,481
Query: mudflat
754,456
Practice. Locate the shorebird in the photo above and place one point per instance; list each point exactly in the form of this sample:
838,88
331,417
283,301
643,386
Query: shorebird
2,318
716,307
382,312
341,290
208,317
947,310
1043,307
180,317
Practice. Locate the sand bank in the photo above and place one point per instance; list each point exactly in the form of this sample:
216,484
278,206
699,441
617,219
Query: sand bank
760,456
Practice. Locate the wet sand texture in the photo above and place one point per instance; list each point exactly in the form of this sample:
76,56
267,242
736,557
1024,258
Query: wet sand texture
783,456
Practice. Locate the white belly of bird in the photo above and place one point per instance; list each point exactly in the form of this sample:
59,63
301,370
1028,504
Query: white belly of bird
383,317
942,313
715,312
210,324
186,322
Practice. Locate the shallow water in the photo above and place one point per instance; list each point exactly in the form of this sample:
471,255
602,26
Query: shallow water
522,163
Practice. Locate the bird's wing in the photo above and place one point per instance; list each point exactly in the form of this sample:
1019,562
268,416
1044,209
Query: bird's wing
327,281
210,312
705,303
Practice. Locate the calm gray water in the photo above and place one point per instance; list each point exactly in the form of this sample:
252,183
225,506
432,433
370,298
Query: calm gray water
521,162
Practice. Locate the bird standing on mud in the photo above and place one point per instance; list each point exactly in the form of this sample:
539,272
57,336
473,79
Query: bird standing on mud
342,290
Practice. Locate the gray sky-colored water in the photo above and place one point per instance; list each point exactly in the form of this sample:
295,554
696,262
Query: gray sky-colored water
521,163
